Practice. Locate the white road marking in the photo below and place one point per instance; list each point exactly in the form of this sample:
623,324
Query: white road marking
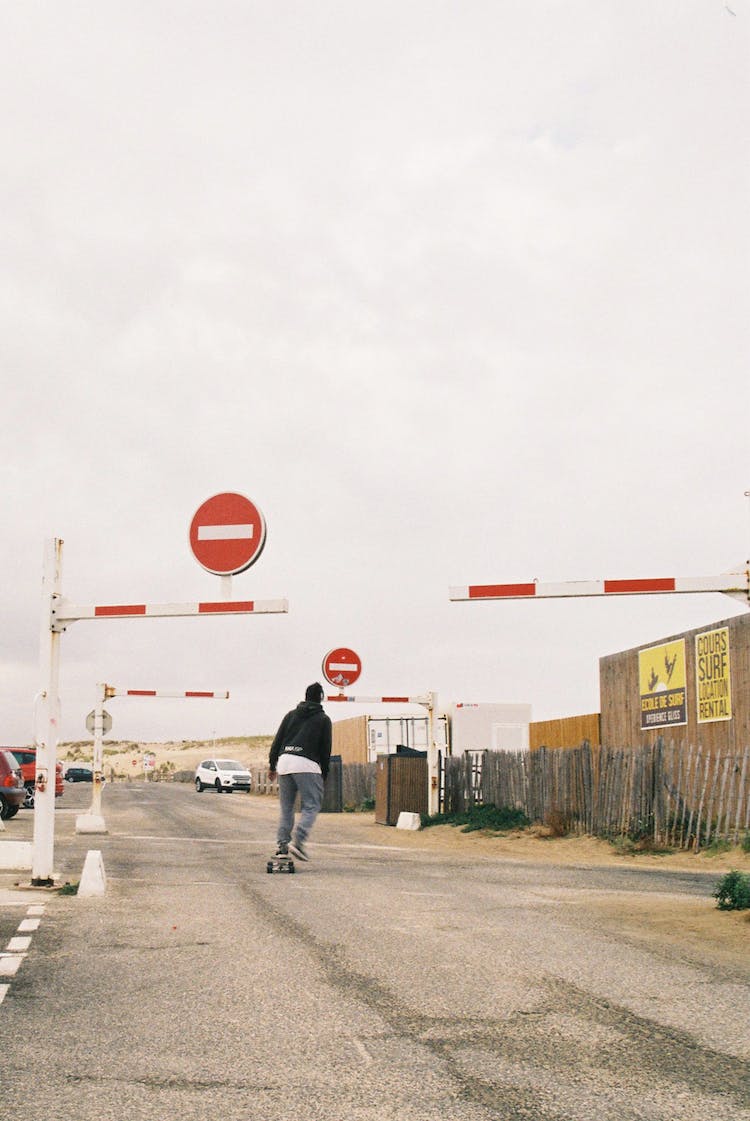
18,945
29,924
9,964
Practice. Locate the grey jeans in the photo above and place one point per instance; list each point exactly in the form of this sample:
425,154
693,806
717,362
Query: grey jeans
310,789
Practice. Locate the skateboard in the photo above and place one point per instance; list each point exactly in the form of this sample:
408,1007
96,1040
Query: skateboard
280,864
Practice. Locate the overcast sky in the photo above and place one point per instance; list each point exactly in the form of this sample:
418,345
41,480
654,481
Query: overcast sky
454,292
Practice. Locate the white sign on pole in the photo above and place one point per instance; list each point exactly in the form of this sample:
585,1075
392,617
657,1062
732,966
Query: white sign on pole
106,722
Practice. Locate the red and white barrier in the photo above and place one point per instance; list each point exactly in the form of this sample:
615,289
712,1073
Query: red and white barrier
111,691
735,584
65,612
423,700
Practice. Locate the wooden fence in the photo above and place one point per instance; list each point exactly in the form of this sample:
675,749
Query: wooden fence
676,795
358,783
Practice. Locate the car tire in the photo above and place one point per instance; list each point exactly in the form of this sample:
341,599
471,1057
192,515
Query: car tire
217,784
28,802
199,786
12,811
4,809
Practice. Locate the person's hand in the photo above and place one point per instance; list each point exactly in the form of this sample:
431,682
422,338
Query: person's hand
272,776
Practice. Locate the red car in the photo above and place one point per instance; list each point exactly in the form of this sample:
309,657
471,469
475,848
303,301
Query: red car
26,757
12,789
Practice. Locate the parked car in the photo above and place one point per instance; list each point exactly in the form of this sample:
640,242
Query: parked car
26,757
223,774
79,774
12,789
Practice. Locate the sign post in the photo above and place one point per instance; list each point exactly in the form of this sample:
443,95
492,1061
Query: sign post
98,722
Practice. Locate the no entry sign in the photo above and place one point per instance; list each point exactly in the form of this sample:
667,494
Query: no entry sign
341,667
227,534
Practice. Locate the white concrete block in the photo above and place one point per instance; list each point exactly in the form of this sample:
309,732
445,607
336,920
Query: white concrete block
93,879
15,855
90,823
408,821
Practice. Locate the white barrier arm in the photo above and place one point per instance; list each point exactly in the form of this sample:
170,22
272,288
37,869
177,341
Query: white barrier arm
735,584
111,691
64,612
421,700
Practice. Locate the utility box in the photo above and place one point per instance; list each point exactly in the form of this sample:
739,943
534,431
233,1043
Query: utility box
489,727
400,786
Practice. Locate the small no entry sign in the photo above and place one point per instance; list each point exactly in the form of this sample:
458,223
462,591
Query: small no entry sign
341,666
227,534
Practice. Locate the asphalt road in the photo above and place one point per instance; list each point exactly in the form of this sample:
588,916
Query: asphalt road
381,982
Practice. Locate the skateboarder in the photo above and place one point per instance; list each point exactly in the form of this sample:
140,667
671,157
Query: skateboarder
300,754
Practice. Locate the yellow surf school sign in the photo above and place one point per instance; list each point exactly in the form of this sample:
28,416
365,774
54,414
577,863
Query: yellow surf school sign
663,685
712,679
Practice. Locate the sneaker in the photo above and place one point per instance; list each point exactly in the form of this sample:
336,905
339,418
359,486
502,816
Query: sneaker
282,850
297,849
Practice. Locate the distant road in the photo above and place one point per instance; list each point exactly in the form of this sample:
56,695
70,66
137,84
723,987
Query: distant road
381,982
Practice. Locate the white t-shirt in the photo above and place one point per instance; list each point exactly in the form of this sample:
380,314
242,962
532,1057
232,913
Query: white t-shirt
296,765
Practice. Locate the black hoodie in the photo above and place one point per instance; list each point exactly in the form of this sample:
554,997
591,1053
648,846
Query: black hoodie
305,731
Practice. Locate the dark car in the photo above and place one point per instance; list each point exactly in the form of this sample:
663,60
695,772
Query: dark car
26,757
79,774
12,789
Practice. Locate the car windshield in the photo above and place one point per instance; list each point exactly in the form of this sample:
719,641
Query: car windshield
229,765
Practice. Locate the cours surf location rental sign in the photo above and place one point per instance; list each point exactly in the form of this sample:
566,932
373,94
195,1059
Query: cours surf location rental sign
341,667
227,534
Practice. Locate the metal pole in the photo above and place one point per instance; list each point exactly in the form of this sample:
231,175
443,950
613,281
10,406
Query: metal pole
433,771
47,732
96,794
92,821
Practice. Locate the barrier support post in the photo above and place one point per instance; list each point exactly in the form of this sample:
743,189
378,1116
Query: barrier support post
47,729
433,769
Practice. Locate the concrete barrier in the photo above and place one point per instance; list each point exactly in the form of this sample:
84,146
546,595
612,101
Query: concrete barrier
93,879
408,821
15,855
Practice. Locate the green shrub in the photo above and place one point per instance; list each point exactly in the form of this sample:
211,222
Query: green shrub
733,892
746,843
497,819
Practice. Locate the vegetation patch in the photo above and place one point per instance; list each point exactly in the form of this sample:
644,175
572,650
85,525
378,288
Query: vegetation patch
367,805
638,846
490,818
732,892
